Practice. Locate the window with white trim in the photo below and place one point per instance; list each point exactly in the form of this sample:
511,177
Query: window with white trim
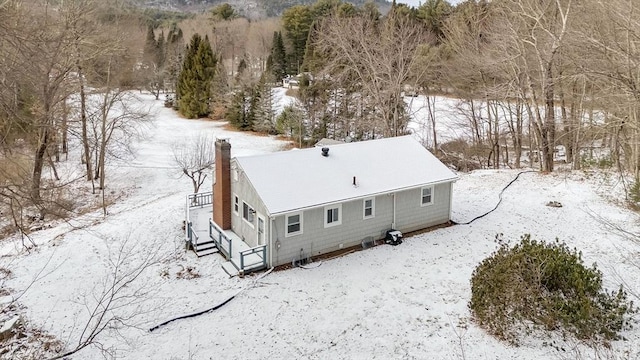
248,213
427,196
236,204
332,215
294,224
369,208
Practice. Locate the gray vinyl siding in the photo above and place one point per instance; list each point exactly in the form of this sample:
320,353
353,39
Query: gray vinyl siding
245,192
316,239
411,216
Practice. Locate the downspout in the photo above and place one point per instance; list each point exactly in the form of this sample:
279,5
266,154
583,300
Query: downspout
450,199
271,227
393,224
186,221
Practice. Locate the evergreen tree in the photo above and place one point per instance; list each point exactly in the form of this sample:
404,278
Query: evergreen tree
239,114
219,91
434,14
263,113
347,10
290,123
313,61
240,72
254,100
323,8
297,21
173,55
370,10
278,57
196,77
269,66
150,47
160,51
223,12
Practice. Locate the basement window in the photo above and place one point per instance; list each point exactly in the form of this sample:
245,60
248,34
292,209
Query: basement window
332,215
248,213
427,196
369,206
294,224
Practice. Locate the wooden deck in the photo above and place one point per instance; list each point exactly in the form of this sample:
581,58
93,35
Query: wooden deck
205,237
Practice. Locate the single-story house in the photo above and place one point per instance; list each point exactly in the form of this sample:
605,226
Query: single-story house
303,203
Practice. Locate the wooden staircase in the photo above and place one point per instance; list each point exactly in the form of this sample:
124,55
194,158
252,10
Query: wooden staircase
200,247
241,259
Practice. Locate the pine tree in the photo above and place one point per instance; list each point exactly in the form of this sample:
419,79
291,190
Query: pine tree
196,77
278,57
291,123
241,72
297,21
262,107
313,61
160,52
254,111
150,47
269,65
173,56
239,114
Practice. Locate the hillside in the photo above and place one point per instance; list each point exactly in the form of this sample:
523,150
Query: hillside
248,8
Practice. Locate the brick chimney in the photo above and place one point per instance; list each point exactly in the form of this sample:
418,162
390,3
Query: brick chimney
222,185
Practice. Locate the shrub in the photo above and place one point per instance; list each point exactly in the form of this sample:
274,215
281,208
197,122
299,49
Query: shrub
537,285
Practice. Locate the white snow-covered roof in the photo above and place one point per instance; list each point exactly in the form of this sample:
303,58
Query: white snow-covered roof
291,180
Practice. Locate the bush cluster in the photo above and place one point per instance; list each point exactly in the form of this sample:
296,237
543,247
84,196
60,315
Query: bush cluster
545,286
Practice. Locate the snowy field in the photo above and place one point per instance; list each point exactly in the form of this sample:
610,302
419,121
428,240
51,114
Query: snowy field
403,302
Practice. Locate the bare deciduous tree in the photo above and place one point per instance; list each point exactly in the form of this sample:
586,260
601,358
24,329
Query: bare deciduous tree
119,300
534,33
380,58
194,158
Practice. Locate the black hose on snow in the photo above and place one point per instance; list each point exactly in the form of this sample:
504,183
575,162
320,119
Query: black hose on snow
213,308
193,314
499,199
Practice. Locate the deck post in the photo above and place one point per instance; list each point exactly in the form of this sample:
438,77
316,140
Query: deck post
264,255
241,261
188,235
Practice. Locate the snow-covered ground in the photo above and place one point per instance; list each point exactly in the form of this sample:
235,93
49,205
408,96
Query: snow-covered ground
403,302
281,99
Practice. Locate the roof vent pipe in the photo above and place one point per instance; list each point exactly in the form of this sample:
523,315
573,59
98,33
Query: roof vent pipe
354,181
325,151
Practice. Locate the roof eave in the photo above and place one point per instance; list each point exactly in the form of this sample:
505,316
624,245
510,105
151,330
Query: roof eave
442,181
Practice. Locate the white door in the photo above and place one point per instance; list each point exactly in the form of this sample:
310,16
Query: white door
260,230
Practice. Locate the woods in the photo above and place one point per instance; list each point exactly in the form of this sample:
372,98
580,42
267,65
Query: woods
536,82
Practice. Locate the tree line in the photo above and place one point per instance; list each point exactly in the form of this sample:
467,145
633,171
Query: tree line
529,75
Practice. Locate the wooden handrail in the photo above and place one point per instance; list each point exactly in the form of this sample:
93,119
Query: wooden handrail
192,234
256,250
218,240
200,199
